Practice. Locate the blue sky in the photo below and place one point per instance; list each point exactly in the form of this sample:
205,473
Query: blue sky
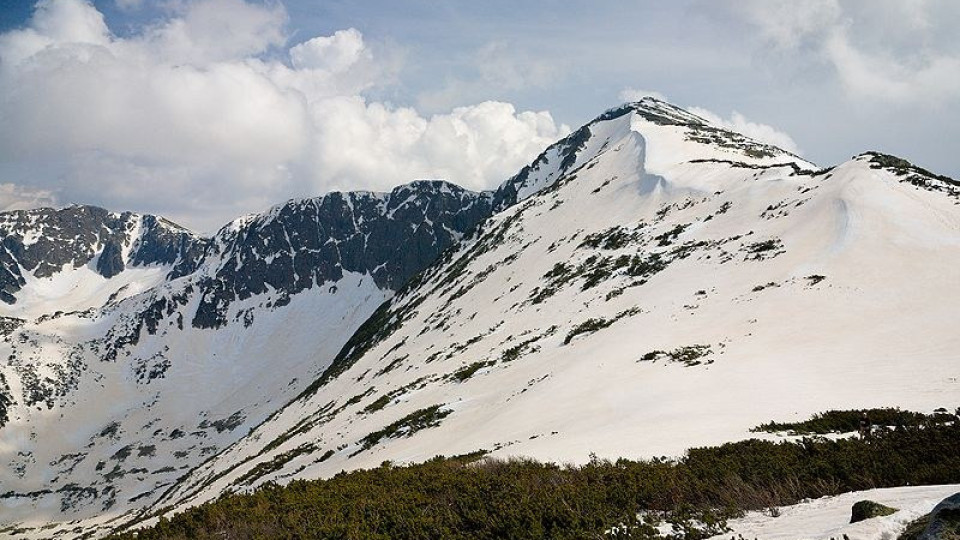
149,105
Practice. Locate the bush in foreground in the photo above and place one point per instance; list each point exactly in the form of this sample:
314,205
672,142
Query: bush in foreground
462,498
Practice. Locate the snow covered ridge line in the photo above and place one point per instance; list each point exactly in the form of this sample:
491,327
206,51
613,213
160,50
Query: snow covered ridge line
630,289
292,247
642,269
43,243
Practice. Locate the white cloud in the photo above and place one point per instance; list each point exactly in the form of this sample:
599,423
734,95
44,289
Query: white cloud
633,94
336,53
14,197
495,68
205,116
888,78
880,50
208,31
478,146
760,132
789,24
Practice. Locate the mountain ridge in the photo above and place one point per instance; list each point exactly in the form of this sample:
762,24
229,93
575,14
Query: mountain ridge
376,343
613,232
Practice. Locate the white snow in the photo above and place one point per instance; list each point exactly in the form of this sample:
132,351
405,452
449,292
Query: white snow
829,517
77,289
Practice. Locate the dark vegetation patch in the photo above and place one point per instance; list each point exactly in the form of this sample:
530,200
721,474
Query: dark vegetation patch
229,423
759,288
691,355
526,346
387,398
612,238
275,464
596,269
9,325
765,249
408,425
6,400
834,421
468,371
669,237
912,174
392,365
590,326
451,498
377,404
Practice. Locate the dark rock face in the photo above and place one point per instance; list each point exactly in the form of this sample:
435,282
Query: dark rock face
567,148
110,262
6,400
165,242
942,523
295,246
863,510
311,242
43,241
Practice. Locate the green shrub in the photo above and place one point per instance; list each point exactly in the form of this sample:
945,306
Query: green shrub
834,421
522,498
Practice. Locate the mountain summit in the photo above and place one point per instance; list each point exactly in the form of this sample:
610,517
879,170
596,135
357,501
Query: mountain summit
650,283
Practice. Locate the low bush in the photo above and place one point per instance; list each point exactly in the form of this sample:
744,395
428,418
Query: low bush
490,498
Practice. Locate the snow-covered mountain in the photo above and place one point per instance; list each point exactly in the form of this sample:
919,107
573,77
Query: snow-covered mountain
134,349
650,283
667,285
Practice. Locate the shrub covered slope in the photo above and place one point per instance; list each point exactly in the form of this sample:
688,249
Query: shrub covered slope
468,498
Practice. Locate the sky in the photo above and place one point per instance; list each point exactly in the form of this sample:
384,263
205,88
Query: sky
205,110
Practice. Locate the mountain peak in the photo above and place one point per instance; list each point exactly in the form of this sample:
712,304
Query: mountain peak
657,111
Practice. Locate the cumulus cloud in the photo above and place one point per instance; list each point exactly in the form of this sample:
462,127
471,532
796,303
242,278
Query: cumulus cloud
479,145
208,114
888,51
495,68
335,53
14,197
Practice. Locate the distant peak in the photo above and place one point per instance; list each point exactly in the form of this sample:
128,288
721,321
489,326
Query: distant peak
656,111
428,185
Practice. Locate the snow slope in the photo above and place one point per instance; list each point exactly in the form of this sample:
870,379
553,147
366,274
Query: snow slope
648,284
672,286
829,517
118,378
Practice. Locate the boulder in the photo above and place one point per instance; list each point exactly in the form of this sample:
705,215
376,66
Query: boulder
944,520
868,509
943,523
